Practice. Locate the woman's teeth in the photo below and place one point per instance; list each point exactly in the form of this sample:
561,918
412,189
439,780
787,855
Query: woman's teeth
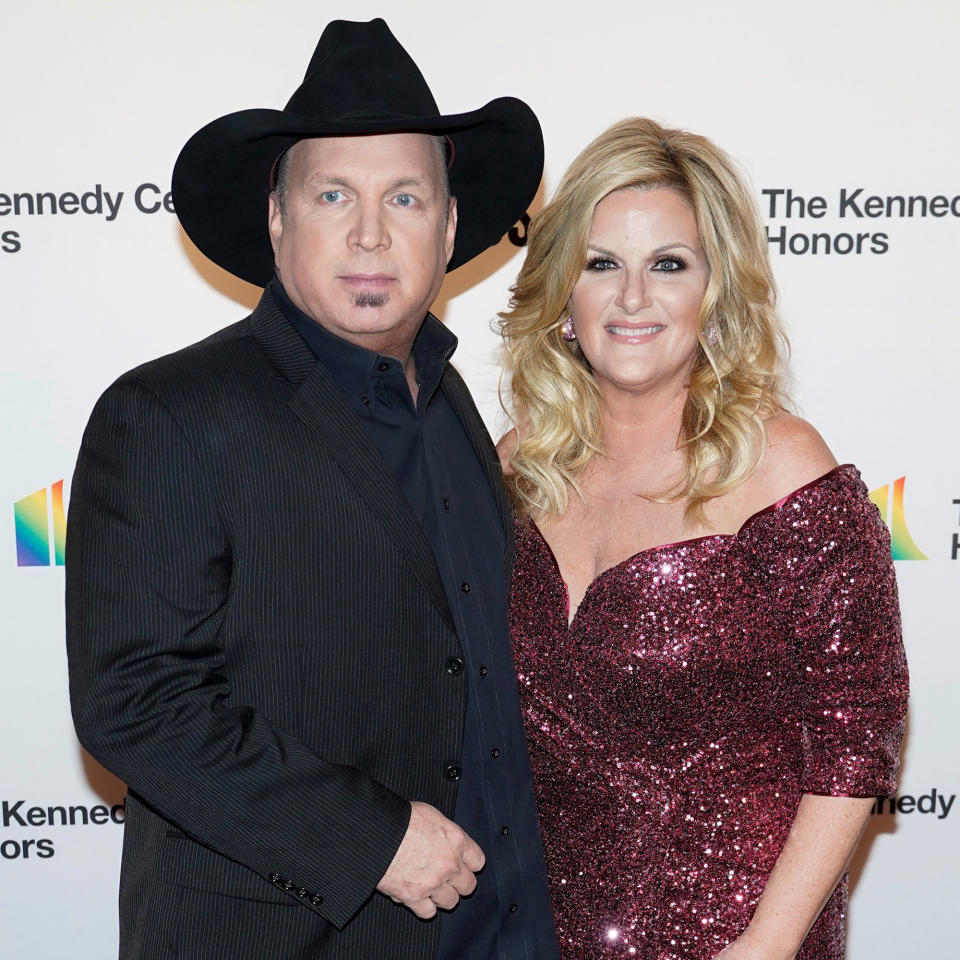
635,331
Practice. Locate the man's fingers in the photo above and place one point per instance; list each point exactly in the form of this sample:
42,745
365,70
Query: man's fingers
473,858
464,882
446,896
424,909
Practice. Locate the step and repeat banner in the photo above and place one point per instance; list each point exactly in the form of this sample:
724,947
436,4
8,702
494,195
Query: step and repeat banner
844,115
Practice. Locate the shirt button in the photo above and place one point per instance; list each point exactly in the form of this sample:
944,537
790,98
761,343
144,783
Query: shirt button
365,400
453,773
465,587
495,753
446,503
384,366
513,908
454,666
483,670
504,831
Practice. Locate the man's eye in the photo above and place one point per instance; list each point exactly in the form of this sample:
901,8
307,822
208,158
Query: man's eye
331,196
404,200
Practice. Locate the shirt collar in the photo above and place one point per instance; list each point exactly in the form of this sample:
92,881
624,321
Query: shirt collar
355,369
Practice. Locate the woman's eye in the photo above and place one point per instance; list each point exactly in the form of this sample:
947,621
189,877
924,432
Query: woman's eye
331,196
601,264
670,265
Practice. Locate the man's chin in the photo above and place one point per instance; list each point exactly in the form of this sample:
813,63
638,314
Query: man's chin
362,323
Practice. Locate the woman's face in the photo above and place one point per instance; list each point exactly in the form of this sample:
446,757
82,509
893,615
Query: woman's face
636,302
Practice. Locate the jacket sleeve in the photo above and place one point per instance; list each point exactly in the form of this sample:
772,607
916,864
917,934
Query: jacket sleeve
148,581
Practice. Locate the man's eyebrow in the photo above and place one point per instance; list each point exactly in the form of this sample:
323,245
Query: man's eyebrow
327,180
337,180
411,182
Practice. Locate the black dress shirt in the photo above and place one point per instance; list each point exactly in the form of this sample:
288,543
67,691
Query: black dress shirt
425,447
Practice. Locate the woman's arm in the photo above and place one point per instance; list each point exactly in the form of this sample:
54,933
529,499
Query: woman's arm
851,663
822,840
854,701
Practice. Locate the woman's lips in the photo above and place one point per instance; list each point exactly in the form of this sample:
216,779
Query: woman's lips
628,334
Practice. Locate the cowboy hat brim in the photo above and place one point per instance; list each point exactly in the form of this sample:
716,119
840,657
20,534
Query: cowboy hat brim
221,179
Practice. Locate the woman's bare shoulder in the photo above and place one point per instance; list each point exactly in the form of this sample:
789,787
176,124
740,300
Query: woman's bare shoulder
795,455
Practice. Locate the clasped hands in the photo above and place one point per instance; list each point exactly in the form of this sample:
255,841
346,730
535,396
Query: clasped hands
434,866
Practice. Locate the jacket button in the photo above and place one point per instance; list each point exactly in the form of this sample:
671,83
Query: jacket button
495,753
453,773
316,899
302,892
274,878
288,885
383,366
454,666
504,831
513,908
465,587
483,670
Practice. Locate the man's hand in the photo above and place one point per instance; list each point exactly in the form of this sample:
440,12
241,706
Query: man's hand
434,865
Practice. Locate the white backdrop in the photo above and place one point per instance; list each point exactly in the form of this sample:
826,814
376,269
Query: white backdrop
823,99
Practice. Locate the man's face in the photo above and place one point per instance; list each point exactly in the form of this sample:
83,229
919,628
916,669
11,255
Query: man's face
366,236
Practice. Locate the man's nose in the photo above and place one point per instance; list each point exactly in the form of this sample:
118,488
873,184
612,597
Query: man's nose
369,229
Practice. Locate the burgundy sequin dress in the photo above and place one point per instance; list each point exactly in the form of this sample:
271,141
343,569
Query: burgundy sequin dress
701,688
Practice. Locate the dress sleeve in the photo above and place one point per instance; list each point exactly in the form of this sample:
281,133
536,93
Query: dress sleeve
851,665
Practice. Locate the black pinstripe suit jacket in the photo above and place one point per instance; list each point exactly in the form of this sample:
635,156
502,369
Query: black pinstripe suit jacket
257,633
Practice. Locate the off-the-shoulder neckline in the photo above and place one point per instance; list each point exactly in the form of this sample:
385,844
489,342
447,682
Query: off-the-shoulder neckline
839,470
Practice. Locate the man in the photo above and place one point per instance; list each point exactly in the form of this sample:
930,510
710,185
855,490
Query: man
287,551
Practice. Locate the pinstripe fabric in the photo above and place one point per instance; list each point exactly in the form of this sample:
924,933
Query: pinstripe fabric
257,634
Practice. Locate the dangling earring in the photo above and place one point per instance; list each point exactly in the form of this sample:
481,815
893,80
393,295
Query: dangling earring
710,332
566,329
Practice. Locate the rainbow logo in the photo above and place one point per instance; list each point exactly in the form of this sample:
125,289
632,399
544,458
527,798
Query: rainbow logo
40,525
902,543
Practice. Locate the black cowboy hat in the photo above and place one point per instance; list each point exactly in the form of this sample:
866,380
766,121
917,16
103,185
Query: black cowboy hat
360,80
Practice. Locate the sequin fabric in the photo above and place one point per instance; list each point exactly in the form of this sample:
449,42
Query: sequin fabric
701,688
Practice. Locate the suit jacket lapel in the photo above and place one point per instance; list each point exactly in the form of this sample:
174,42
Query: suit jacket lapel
319,403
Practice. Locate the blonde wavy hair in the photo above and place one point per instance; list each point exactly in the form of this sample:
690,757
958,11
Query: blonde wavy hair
735,382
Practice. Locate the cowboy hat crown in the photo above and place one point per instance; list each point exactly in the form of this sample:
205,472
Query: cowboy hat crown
340,83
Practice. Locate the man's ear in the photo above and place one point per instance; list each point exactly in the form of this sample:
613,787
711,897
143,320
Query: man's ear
274,222
451,234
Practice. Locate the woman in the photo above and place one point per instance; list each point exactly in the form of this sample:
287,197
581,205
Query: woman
704,607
